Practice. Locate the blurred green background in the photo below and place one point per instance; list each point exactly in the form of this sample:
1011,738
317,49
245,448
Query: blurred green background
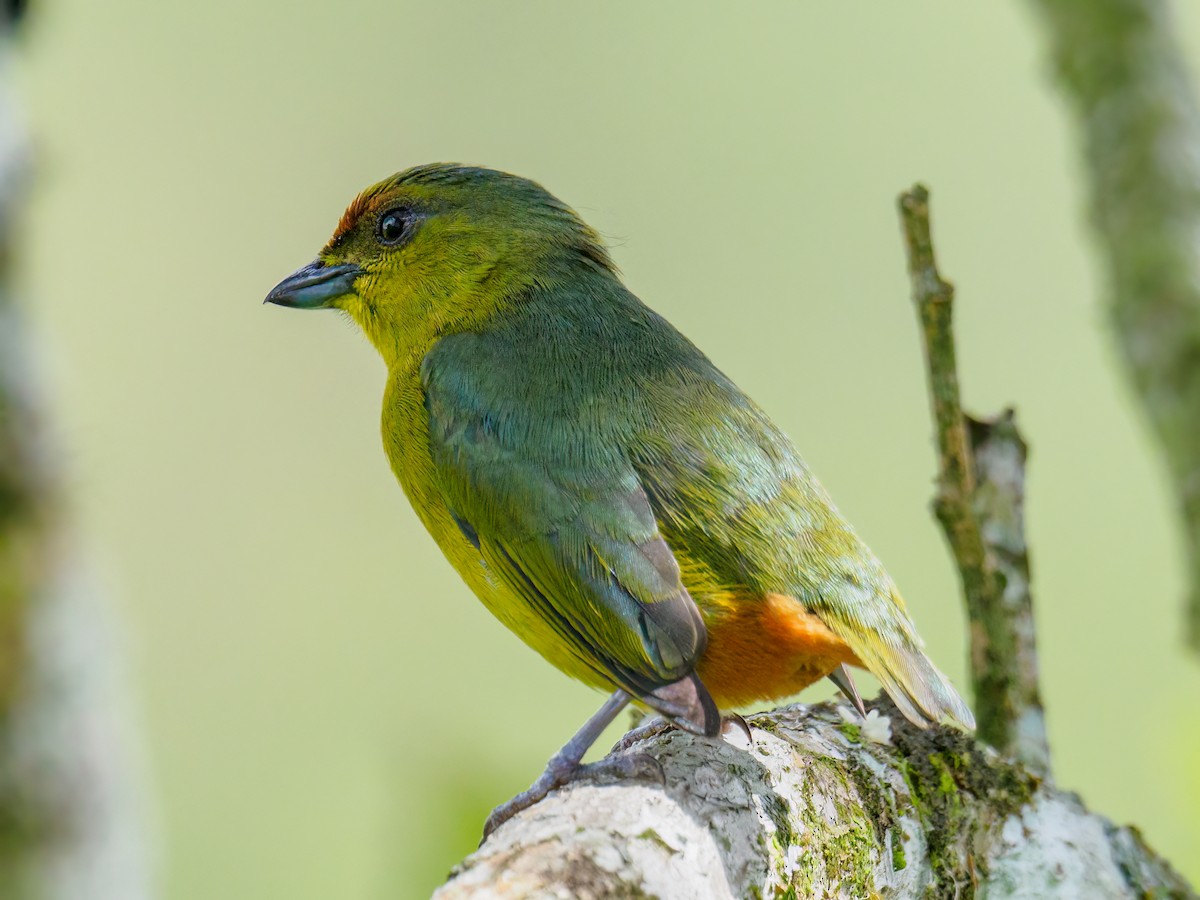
327,712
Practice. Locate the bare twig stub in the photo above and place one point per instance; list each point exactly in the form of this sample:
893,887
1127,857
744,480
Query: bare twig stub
1121,71
980,504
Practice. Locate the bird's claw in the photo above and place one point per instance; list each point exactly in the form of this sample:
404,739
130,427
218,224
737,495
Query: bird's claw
625,766
654,727
636,766
729,723
733,722
536,792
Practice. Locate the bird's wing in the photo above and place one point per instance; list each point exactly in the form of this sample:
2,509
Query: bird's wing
564,522
735,497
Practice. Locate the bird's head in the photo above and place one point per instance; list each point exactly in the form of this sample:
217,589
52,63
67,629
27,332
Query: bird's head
440,249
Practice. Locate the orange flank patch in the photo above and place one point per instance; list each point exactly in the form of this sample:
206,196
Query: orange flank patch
767,647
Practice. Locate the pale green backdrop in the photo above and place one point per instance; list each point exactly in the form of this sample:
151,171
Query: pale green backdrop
326,711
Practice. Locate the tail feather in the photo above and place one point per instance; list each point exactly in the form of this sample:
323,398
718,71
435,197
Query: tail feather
920,691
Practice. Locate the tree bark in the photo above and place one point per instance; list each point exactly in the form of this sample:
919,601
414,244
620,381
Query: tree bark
69,816
818,807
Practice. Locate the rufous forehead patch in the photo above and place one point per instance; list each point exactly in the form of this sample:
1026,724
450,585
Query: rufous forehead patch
353,213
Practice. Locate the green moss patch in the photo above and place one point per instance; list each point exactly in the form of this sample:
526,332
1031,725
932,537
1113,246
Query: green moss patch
946,772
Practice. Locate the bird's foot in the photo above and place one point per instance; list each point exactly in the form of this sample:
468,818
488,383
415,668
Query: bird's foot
639,766
623,767
656,726
558,772
730,724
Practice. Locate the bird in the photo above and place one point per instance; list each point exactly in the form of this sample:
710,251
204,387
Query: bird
608,493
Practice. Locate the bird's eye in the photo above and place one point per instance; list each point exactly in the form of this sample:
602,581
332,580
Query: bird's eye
393,226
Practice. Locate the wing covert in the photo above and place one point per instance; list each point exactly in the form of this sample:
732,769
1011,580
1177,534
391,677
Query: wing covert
561,519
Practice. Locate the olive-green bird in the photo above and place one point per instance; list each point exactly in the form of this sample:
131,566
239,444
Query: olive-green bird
609,494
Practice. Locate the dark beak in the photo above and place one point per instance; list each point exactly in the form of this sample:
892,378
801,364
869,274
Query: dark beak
315,286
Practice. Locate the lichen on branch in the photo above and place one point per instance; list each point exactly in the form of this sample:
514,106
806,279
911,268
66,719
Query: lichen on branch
812,808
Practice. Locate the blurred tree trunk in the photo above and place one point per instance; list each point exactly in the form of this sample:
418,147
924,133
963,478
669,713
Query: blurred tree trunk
1121,72
68,813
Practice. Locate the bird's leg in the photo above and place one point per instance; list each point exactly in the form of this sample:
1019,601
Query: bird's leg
842,678
566,763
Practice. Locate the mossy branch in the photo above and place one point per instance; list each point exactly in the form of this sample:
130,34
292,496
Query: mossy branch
811,808
1121,71
980,504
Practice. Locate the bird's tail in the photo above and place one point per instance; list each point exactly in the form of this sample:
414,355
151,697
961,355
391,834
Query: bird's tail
920,691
